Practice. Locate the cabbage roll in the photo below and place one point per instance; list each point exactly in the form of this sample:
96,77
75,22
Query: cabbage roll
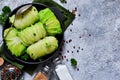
52,24
32,34
42,47
13,42
25,19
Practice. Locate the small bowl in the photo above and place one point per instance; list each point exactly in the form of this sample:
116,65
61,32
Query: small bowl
59,37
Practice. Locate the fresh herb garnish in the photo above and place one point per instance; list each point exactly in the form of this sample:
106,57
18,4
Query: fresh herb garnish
6,9
25,57
73,62
40,59
4,15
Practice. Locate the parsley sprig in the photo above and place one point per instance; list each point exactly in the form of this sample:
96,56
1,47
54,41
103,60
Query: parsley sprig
4,15
73,62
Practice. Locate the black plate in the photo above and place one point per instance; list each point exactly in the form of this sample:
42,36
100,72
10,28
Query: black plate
59,37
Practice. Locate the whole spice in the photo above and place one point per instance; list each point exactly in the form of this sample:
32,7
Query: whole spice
63,1
10,72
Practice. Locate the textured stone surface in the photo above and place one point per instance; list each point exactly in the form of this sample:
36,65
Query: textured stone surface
99,28
95,35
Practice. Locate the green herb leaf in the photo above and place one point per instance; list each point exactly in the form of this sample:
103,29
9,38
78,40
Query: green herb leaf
5,13
73,62
25,57
2,19
6,9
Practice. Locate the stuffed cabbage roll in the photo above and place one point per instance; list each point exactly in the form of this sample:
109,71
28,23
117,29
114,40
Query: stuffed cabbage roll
25,19
32,34
42,47
14,42
52,24
10,33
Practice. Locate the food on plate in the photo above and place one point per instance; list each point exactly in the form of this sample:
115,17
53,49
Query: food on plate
45,14
1,61
52,24
42,47
25,19
10,33
10,72
14,42
32,34
11,19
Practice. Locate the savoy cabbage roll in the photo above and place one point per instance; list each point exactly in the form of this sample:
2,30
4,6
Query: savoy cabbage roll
10,33
13,42
42,47
45,14
32,34
25,19
52,24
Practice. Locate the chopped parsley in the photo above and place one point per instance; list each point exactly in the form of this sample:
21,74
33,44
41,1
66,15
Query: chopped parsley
25,57
4,15
73,62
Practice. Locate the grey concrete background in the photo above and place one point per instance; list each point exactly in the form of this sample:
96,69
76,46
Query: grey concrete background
93,38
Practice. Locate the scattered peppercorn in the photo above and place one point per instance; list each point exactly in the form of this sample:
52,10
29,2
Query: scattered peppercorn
63,1
63,40
78,47
82,49
89,34
74,47
70,30
67,51
66,59
80,37
64,56
66,41
77,69
75,8
71,23
60,54
70,40
72,51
